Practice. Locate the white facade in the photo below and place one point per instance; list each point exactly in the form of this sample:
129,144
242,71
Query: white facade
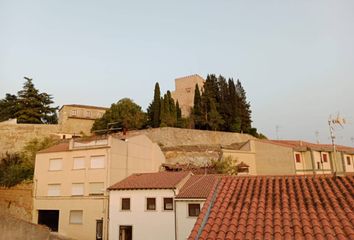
184,222
146,224
322,161
348,163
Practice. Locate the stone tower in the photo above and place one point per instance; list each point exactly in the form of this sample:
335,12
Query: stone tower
184,93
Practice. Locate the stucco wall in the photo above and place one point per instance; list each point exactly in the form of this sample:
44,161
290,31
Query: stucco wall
247,157
273,159
184,223
147,225
17,201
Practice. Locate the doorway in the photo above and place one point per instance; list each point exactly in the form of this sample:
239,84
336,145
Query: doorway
125,232
99,229
49,218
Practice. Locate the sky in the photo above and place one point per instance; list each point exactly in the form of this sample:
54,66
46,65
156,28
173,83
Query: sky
295,59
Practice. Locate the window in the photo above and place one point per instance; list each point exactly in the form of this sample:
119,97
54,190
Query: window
99,229
324,158
151,204
96,188
76,217
77,189
348,160
55,164
53,190
125,203
73,113
125,232
298,157
193,209
79,163
97,162
167,204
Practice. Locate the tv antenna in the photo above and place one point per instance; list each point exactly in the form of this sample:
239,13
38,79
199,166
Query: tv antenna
277,127
317,133
332,123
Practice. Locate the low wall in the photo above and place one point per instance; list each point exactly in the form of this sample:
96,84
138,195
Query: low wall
17,201
17,229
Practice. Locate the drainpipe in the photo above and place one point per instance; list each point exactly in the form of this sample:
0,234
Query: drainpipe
174,212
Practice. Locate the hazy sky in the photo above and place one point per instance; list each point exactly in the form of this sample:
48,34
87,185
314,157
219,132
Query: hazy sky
294,58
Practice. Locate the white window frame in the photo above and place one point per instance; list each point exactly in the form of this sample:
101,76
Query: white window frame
53,190
77,189
78,158
96,165
55,167
80,217
99,192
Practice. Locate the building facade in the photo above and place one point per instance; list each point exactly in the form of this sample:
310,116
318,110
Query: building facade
280,157
78,119
71,179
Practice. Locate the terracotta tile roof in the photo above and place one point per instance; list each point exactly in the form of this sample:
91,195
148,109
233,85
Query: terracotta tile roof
293,207
198,186
159,180
299,143
60,147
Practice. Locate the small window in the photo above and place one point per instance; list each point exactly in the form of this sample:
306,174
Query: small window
77,189
193,209
298,157
125,232
151,204
76,216
348,160
125,203
53,190
55,164
167,204
97,162
96,188
324,158
79,163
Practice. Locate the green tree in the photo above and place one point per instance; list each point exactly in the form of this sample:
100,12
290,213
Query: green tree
124,114
197,108
35,145
8,107
13,170
155,108
215,120
225,165
29,106
244,108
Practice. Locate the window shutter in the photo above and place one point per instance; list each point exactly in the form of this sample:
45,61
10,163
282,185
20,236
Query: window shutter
54,190
55,164
76,216
96,188
79,163
77,189
97,161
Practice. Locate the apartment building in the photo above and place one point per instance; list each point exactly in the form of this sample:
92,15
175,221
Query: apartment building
71,179
287,157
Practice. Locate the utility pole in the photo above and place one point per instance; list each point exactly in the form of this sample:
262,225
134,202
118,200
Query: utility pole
317,133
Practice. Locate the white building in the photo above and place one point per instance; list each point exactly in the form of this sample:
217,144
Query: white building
154,206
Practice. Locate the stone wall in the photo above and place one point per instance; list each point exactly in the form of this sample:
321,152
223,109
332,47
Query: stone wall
172,137
14,136
17,201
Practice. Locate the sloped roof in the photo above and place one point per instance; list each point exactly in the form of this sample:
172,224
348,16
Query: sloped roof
316,146
198,186
159,180
265,207
60,147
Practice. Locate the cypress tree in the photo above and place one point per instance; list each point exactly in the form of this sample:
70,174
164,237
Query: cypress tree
197,108
155,107
245,111
178,115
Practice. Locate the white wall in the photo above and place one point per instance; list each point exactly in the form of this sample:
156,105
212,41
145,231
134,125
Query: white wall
317,160
185,223
154,225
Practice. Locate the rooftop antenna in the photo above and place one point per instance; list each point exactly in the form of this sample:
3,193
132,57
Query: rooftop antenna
317,133
277,131
332,123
